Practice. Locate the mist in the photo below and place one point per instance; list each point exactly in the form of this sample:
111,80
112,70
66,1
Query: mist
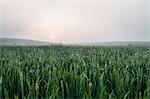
76,21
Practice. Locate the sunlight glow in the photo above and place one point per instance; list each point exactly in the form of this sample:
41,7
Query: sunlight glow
52,37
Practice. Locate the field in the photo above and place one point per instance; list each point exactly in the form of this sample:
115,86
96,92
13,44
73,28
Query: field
74,72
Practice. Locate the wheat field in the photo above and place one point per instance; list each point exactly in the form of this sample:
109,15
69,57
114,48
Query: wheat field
74,72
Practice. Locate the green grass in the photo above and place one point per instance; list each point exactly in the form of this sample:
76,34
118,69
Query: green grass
74,72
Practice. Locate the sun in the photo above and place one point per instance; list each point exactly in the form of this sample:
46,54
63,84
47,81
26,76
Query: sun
52,37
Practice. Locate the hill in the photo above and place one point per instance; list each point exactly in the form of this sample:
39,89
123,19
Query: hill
26,42
12,41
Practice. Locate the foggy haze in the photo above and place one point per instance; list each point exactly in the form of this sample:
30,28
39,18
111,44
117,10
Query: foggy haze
76,21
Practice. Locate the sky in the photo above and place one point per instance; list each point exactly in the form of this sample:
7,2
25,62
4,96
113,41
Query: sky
72,21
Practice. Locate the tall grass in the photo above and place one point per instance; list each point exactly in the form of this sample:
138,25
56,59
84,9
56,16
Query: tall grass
74,72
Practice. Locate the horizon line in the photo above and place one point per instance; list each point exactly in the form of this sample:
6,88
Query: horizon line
75,42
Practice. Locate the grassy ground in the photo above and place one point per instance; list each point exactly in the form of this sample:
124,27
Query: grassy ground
74,72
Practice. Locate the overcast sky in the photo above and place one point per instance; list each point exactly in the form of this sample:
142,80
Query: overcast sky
72,21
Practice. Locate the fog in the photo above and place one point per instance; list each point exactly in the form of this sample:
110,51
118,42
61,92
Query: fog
76,21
